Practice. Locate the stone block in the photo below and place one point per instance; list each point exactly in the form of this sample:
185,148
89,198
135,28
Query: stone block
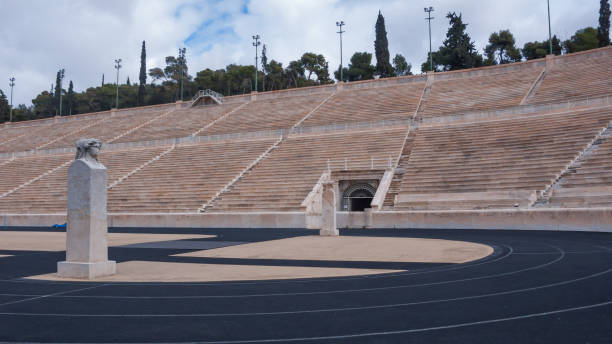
86,270
328,210
86,232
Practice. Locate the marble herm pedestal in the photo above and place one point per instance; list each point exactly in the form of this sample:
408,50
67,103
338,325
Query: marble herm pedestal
328,210
86,232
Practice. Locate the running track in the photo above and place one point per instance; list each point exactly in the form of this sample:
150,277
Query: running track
537,287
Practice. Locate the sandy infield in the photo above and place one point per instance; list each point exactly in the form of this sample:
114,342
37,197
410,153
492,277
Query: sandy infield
56,241
345,248
144,271
354,248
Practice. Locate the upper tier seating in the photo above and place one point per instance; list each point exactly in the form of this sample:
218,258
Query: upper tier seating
576,77
467,94
14,131
187,177
283,180
179,123
368,104
21,170
64,132
107,129
591,183
267,114
49,193
494,164
41,135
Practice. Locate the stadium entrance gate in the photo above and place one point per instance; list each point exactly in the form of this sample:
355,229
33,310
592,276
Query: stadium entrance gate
358,197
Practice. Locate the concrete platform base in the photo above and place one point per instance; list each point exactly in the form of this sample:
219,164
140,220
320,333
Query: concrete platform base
329,232
86,270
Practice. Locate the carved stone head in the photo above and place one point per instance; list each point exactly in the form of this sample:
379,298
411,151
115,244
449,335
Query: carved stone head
88,149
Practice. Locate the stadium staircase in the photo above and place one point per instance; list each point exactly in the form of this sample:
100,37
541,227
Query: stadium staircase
586,181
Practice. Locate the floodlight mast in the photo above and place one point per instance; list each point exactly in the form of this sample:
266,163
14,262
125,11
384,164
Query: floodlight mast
12,84
340,24
61,77
117,67
429,18
549,31
256,43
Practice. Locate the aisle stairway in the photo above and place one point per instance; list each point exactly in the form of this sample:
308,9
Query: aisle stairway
589,182
49,194
282,180
185,178
496,164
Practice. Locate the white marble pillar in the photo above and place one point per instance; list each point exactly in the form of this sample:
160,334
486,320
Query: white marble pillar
86,232
328,210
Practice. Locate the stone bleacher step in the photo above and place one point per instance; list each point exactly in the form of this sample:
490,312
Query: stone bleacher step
251,166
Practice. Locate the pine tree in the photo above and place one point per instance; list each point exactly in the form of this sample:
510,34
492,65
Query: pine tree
381,47
603,31
458,51
501,48
401,66
142,76
70,98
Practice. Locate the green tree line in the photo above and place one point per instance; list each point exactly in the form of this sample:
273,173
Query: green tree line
457,51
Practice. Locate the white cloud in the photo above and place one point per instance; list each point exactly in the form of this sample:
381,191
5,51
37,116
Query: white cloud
84,37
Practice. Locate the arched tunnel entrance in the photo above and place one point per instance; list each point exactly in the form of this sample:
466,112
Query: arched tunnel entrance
358,197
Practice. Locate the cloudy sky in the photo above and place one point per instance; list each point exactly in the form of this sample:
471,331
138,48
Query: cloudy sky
39,37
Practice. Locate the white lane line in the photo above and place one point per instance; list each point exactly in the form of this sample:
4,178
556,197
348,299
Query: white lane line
566,252
561,256
49,295
301,281
344,309
416,330
343,291
425,329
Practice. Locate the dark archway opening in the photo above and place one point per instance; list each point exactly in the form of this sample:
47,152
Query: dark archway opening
360,200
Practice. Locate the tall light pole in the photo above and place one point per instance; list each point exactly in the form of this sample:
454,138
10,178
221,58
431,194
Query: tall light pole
61,77
117,67
549,31
429,18
340,24
256,43
12,84
182,58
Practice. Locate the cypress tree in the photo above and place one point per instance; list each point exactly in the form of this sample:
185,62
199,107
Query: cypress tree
381,47
58,92
264,66
143,75
102,79
603,31
70,98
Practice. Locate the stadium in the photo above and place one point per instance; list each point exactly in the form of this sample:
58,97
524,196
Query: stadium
530,151
472,205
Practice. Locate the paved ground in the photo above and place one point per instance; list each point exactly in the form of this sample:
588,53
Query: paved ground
536,287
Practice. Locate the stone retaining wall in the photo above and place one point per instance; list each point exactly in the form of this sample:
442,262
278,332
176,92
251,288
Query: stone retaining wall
579,219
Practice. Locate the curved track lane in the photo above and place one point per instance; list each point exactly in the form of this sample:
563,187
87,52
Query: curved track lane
536,287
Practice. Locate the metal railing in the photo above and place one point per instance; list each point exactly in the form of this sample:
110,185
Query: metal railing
207,92
352,164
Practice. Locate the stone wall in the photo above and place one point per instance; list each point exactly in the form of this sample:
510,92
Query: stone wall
579,219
